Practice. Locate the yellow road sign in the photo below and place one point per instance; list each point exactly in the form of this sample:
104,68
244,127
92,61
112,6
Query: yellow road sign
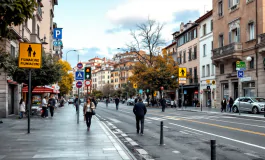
182,72
155,93
208,81
30,55
134,85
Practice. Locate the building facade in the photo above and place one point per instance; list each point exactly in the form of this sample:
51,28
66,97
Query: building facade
188,57
207,69
237,25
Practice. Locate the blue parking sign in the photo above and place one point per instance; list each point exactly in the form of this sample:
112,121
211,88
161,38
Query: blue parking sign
240,74
57,33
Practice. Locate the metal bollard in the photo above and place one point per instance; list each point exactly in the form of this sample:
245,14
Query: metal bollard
213,149
161,134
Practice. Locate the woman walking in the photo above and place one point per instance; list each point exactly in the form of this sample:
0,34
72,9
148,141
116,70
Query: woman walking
22,108
88,110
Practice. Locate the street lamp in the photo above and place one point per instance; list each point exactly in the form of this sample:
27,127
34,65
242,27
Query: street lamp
70,51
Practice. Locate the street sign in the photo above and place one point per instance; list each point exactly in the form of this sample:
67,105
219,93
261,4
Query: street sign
183,72
240,66
213,82
87,82
56,48
79,75
147,90
30,55
182,79
57,43
88,73
79,65
140,91
134,85
208,81
78,84
57,33
240,74
155,93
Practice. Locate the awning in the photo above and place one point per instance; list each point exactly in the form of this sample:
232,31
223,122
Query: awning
41,89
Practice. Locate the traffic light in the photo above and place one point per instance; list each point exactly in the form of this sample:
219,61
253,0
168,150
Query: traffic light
88,73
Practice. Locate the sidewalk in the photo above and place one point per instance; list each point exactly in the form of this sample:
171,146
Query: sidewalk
218,111
60,138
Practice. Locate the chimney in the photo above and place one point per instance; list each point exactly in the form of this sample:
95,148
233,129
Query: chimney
181,27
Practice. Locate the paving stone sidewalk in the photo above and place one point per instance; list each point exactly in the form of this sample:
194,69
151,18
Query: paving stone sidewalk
58,138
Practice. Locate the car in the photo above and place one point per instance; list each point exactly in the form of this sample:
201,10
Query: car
168,102
130,102
71,101
145,103
249,104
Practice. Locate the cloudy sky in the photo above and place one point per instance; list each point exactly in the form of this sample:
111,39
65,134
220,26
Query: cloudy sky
99,27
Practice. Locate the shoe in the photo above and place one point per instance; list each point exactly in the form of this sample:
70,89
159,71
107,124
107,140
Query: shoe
137,132
142,134
88,129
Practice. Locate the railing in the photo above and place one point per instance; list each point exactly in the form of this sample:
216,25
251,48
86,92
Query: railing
226,50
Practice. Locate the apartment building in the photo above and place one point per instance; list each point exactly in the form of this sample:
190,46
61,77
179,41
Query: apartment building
29,31
188,57
207,68
238,24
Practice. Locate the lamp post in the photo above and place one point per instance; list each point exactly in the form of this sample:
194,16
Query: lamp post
70,51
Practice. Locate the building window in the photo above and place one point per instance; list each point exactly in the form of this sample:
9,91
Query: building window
208,70
184,56
204,50
251,63
222,68
195,52
180,57
195,73
213,70
190,69
211,25
203,71
220,8
212,45
38,30
251,31
232,3
234,35
221,40
190,50
204,29
234,66
13,51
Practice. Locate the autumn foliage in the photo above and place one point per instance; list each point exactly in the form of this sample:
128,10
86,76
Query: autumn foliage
67,79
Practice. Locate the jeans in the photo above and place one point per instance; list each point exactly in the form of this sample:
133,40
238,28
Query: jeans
88,119
21,114
107,104
163,108
44,110
51,110
117,106
138,119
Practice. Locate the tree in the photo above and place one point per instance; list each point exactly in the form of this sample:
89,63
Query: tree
147,37
97,94
14,12
67,79
163,74
107,90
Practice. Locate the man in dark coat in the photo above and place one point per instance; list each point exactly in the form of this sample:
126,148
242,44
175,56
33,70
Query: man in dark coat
51,104
231,102
139,111
223,105
117,101
163,104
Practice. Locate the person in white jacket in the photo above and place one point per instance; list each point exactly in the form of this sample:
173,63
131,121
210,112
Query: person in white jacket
22,108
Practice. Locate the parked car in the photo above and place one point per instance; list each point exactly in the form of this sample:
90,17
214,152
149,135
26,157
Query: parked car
168,102
130,102
71,101
249,104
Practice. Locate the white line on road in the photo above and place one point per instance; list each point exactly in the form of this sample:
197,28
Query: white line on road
183,132
192,132
166,127
177,152
252,155
238,141
141,151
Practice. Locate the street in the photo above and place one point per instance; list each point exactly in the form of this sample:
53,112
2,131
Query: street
187,135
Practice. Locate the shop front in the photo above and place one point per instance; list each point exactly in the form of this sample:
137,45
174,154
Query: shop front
190,92
208,92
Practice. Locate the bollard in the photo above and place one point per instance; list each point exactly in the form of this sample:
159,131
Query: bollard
213,150
161,134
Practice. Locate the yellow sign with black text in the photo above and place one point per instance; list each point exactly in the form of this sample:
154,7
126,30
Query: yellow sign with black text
30,55
183,72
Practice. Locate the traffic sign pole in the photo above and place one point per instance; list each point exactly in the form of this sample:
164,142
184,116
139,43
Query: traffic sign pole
78,107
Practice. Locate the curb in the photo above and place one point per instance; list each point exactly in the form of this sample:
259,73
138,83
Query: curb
229,115
130,155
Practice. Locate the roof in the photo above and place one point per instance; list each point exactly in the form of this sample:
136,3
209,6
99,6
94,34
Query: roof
193,25
205,16
172,44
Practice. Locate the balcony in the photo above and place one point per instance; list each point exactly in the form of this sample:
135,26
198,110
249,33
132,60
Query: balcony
261,43
231,51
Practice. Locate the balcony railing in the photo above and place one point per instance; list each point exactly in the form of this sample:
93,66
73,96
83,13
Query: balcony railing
227,50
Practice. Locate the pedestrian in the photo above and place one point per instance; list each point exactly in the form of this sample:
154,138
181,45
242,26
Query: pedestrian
231,102
163,104
117,101
107,102
22,108
135,100
94,101
223,105
172,103
51,104
76,104
44,107
88,110
139,111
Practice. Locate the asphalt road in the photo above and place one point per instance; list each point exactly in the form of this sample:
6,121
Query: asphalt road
187,135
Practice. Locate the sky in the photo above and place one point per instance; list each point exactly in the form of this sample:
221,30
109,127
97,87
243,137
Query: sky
99,27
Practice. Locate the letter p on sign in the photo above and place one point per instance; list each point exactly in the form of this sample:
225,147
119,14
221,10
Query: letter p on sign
57,33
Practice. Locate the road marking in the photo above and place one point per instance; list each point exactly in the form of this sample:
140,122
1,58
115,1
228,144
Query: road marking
192,132
238,141
115,120
183,132
226,127
141,151
133,143
177,152
166,127
252,155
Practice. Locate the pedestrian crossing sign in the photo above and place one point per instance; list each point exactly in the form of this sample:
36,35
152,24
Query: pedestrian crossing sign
30,55
182,72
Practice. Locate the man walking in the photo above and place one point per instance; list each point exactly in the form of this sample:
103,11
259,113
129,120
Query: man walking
163,104
94,101
76,103
117,101
231,102
44,107
51,104
139,111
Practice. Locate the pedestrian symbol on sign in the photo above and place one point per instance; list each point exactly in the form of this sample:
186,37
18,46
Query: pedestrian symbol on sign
79,75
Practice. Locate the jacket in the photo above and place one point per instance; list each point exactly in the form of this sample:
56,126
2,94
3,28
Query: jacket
117,100
163,102
92,106
223,103
51,102
22,107
139,109
44,103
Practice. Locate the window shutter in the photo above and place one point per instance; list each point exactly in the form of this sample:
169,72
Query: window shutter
229,4
230,37
238,34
